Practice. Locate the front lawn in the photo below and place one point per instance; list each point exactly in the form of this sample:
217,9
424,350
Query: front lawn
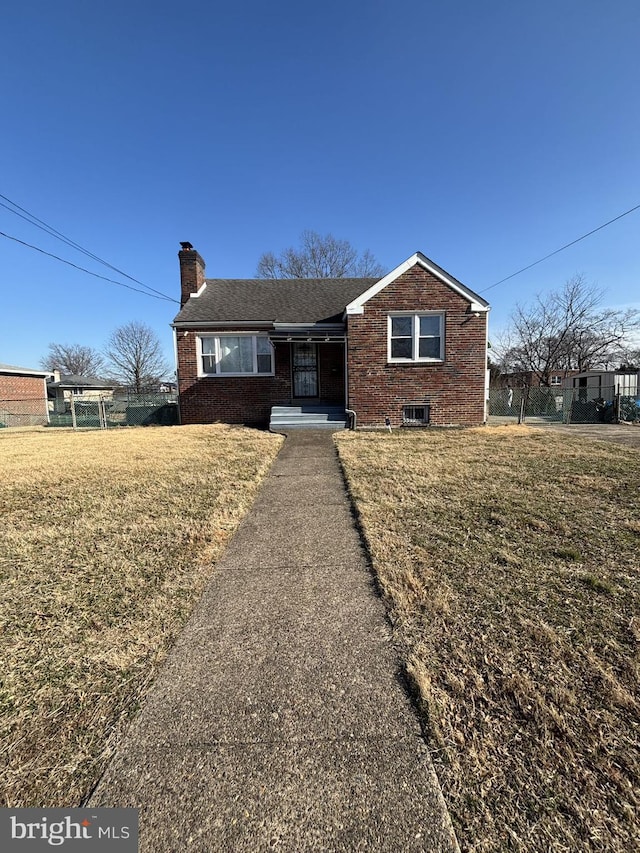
106,541
509,558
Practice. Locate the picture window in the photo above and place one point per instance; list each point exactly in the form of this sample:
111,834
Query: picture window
236,355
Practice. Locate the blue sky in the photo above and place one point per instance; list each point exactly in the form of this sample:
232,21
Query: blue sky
485,135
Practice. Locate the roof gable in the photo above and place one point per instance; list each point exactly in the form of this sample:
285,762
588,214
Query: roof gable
477,303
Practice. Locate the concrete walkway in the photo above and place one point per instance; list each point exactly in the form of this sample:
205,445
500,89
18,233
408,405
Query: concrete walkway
279,722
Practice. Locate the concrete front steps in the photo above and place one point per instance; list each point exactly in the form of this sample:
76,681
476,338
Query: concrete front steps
307,416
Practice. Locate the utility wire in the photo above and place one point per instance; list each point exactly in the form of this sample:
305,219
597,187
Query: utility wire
49,229
82,269
561,249
33,220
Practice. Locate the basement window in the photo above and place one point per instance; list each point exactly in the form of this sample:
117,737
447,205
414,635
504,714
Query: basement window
235,355
415,415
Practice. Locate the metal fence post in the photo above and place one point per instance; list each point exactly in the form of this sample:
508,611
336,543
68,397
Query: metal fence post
74,422
523,398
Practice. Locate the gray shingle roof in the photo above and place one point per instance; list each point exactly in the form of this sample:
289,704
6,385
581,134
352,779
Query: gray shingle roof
72,380
273,300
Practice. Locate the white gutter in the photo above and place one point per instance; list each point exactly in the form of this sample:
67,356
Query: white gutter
231,324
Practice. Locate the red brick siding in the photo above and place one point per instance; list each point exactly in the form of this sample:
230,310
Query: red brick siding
191,274
23,399
248,399
233,399
455,389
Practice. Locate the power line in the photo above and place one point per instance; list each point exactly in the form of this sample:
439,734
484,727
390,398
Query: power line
49,229
82,269
33,220
561,249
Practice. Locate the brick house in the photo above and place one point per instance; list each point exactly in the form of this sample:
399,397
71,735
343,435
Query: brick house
410,347
530,379
23,396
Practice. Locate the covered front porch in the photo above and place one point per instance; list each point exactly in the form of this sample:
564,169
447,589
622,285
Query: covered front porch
313,360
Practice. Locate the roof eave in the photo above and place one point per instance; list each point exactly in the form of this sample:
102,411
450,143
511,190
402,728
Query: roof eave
312,324
18,371
224,324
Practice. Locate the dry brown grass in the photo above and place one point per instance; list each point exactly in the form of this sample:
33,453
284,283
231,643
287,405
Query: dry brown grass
106,541
509,557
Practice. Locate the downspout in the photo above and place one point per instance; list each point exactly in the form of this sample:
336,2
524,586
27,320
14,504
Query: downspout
486,368
353,418
46,400
175,355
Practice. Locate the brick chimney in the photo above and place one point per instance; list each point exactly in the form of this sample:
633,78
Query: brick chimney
191,272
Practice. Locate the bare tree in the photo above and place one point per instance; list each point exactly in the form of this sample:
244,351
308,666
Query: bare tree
319,257
567,329
135,356
75,359
629,357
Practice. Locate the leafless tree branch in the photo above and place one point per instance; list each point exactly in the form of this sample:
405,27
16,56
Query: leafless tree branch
319,257
135,356
567,329
73,359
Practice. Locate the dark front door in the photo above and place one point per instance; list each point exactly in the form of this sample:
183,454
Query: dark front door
305,370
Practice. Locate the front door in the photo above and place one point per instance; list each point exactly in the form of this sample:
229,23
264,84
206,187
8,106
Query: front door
305,370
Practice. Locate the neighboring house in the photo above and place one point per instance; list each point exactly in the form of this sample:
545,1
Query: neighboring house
23,396
409,348
530,379
83,389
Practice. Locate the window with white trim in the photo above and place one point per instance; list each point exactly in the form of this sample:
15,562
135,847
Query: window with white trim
416,337
556,380
235,355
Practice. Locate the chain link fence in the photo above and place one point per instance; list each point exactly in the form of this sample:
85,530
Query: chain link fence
102,412
12,415
563,405
131,409
530,404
